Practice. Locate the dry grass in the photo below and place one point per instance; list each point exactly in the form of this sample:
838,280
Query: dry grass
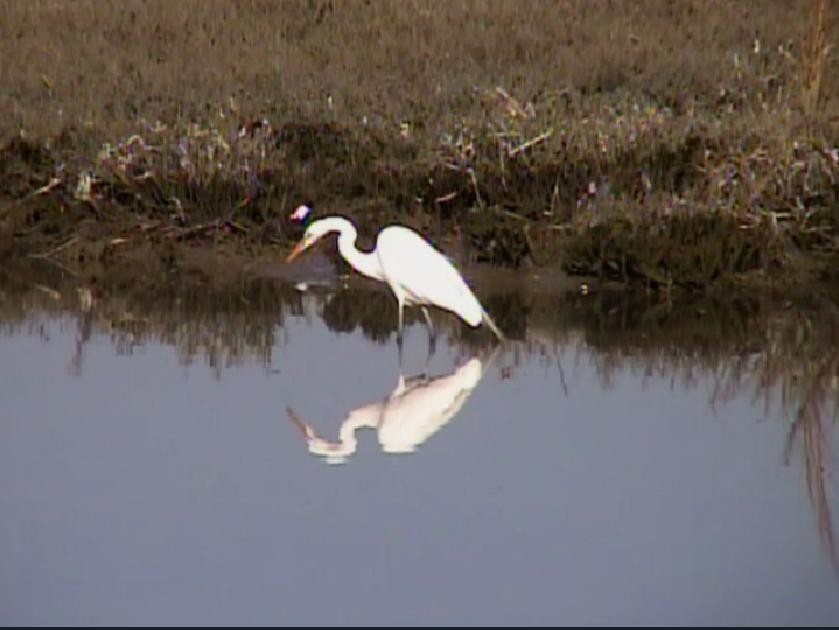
521,124
105,64
814,57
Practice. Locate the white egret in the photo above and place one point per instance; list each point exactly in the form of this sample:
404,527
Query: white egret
415,271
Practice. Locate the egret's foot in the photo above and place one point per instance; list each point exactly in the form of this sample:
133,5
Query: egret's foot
416,379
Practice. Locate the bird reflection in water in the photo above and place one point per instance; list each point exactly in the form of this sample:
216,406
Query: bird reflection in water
407,417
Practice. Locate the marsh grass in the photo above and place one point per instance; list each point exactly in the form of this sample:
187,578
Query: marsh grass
575,133
814,57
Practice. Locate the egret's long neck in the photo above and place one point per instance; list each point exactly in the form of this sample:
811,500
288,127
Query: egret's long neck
347,442
367,264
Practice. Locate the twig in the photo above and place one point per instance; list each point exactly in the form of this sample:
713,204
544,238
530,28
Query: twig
512,215
236,226
540,138
55,250
186,232
55,181
55,295
561,227
475,184
513,106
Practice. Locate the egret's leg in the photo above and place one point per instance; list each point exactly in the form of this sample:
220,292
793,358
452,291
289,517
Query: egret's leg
428,319
432,335
399,346
399,330
415,379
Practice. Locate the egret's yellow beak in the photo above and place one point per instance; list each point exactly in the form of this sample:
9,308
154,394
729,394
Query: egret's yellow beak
298,249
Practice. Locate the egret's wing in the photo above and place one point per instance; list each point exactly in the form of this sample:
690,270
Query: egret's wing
424,274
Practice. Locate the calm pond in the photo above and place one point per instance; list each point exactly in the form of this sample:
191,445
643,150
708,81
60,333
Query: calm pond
256,455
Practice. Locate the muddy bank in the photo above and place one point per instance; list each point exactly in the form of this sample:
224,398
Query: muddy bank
139,208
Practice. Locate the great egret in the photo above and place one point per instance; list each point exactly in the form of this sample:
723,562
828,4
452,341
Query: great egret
415,271
416,409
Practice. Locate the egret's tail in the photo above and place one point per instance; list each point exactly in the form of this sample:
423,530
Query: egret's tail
493,327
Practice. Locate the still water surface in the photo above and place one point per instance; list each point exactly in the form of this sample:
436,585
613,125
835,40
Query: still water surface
310,481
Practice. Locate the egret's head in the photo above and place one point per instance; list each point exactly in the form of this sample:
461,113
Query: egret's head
316,229
334,453
313,233
302,215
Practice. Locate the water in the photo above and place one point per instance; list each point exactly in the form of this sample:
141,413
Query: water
610,465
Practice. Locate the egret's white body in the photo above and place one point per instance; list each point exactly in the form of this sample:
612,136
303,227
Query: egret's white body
418,274
406,418
415,271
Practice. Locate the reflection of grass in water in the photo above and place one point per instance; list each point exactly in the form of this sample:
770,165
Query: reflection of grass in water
227,327
375,314
812,401
809,422
742,345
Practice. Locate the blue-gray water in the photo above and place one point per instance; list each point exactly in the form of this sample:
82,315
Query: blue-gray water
140,488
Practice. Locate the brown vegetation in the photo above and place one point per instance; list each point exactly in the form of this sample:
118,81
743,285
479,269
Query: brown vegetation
673,142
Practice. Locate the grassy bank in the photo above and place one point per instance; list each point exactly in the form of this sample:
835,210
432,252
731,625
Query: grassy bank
685,143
